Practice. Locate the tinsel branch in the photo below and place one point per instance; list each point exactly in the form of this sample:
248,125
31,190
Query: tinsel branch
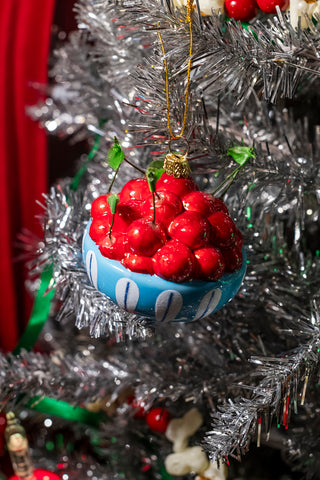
275,397
269,59
31,374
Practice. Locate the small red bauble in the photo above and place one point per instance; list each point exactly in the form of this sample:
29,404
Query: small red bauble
158,419
40,475
138,409
269,6
243,10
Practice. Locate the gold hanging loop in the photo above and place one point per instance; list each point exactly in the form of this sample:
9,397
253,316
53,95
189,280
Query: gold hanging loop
176,164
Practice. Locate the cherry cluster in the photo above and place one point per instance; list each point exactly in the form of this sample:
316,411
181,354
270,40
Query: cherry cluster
188,235
245,10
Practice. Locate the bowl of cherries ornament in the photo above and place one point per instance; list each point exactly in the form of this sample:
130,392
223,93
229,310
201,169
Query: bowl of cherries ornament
163,249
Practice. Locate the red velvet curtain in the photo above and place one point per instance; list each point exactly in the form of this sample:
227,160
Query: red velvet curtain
24,46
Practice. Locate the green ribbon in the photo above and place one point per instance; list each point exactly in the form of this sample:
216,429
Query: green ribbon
39,314
61,409
164,474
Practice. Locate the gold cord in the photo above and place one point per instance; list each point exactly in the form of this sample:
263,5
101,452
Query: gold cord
188,19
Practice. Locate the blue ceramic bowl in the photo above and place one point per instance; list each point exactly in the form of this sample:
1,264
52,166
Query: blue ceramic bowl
153,297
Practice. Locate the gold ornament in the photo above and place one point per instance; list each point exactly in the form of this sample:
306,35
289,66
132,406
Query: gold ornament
176,165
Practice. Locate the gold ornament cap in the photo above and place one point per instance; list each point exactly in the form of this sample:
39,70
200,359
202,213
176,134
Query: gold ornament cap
176,165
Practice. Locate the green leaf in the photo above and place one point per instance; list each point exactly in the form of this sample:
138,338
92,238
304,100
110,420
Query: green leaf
158,164
115,155
241,154
153,173
113,201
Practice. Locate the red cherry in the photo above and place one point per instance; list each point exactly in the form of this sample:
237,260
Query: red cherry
233,258
178,186
243,10
114,247
135,207
158,419
136,189
174,262
100,206
210,263
99,229
269,6
137,263
219,205
191,228
168,206
145,237
125,214
238,239
223,229
200,202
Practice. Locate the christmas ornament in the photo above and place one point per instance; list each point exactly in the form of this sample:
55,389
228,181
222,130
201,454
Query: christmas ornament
269,6
175,271
157,247
158,419
243,10
38,474
187,459
213,473
303,11
206,6
180,429
191,460
17,444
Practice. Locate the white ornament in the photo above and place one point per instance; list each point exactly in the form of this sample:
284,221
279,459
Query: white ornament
191,460
180,429
214,473
206,6
303,9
